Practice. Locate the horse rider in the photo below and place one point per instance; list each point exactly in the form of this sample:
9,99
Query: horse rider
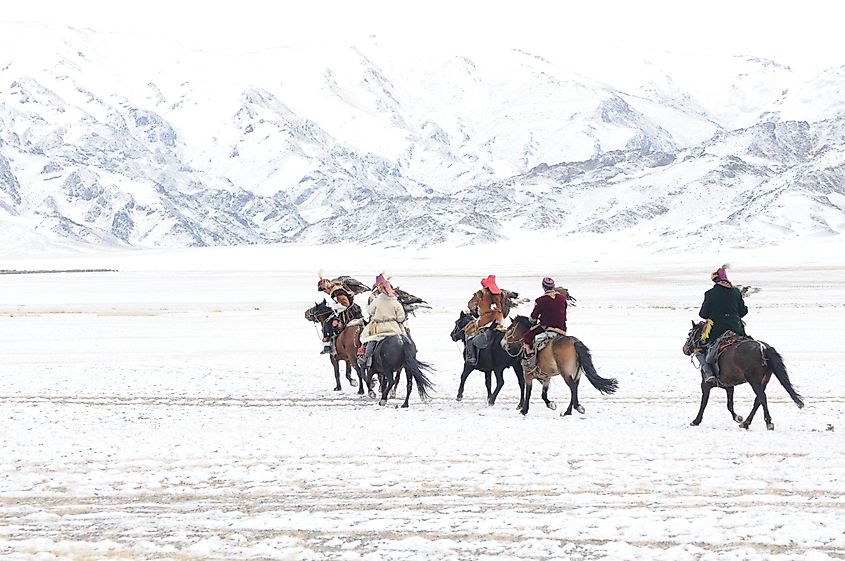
723,306
345,308
487,305
550,313
386,318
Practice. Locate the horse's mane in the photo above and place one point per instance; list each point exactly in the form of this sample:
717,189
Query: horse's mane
524,321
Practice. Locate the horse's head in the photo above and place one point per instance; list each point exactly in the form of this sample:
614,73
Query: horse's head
319,312
517,329
462,321
693,338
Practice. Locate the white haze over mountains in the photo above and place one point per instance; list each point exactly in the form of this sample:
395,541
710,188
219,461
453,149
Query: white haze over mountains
115,139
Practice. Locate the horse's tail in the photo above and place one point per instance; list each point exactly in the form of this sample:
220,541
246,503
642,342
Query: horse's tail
604,385
775,362
416,367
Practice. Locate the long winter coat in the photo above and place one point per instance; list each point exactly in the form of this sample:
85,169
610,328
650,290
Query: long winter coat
488,306
724,306
386,317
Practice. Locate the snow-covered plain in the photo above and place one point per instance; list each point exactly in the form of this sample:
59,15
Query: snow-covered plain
178,409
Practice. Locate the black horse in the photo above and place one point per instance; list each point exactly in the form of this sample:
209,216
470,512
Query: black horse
747,361
494,358
392,354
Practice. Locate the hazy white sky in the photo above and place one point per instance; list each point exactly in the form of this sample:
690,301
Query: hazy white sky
789,31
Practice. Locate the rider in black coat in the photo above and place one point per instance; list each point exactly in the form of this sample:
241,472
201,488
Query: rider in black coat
724,306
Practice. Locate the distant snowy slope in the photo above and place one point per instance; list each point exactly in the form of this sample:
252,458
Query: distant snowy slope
111,139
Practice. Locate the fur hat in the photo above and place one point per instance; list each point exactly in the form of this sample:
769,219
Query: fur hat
720,275
384,284
490,284
548,283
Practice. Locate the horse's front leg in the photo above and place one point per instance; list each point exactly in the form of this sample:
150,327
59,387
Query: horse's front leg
467,369
520,379
361,383
545,395
526,399
388,384
500,381
336,366
705,397
730,392
488,382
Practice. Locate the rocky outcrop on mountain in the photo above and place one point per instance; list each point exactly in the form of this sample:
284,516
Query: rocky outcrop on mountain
362,145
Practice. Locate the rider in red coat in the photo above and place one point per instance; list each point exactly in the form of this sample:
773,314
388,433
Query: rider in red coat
550,311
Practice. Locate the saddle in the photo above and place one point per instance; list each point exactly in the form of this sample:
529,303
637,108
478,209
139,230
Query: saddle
725,341
482,338
542,340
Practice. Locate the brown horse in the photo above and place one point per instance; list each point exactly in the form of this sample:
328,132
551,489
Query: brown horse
565,356
747,361
346,345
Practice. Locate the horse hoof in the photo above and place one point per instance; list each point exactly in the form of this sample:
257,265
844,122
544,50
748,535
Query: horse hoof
738,418
372,394
459,398
743,426
770,426
382,402
551,405
404,406
565,413
695,423
524,412
580,409
491,402
353,383
337,389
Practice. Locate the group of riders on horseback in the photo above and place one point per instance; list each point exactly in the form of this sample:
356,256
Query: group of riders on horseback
538,347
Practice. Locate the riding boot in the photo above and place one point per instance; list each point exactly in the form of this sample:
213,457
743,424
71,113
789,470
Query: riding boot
471,352
367,359
327,347
529,360
708,374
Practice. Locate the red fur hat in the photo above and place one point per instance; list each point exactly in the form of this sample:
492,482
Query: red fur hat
490,284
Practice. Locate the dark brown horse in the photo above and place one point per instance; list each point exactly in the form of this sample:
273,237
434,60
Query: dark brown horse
565,356
346,345
747,361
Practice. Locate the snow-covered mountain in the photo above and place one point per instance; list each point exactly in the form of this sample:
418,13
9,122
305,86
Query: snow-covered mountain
120,140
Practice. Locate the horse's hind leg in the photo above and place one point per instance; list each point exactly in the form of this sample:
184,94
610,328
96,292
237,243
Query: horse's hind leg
386,387
410,387
734,416
500,381
464,375
760,392
573,401
747,422
352,381
705,397
396,383
545,395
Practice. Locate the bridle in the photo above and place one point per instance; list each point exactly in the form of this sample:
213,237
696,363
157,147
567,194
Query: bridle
507,344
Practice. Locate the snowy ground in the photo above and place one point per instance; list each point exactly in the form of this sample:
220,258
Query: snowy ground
178,409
